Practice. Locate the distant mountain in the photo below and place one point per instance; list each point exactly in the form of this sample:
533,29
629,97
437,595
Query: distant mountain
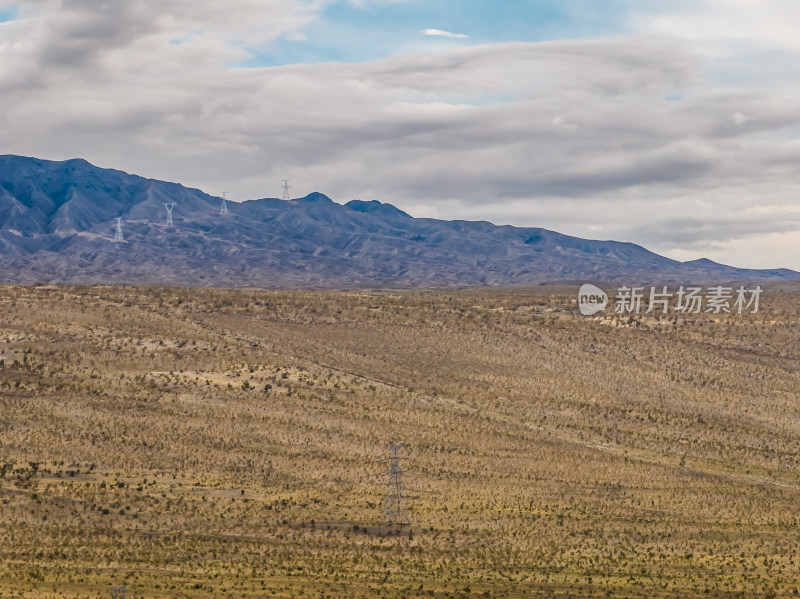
57,225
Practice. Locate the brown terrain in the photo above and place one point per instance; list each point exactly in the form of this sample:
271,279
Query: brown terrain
214,443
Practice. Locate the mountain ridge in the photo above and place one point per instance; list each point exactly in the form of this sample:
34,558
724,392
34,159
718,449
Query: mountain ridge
56,225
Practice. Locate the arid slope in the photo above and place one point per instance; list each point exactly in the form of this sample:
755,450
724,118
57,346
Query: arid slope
207,443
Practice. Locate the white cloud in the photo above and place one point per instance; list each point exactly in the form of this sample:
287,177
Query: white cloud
297,36
630,134
764,22
739,119
441,33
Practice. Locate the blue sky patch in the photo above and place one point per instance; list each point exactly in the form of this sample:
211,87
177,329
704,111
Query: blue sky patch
8,14
348,33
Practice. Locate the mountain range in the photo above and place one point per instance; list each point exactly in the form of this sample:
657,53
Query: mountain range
57,224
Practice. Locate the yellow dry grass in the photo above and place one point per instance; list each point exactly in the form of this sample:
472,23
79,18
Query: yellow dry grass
213,443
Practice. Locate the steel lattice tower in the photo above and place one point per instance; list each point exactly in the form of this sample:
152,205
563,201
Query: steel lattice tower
286,188
169,206
394,504
223,208
118,232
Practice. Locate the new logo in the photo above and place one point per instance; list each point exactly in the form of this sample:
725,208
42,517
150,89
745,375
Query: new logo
591,300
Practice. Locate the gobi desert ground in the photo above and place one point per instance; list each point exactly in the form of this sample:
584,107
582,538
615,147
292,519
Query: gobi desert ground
207,443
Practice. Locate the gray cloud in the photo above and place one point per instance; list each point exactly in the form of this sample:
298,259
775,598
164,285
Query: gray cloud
610,137
705,234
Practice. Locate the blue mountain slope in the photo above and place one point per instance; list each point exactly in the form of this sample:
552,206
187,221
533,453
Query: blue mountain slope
57,219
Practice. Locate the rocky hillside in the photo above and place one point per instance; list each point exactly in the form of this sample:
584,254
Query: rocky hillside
57,225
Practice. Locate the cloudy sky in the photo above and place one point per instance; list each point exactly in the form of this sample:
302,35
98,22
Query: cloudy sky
675,124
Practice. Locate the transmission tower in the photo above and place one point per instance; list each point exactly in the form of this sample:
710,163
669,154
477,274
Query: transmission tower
394,504
118,592
286,188
118,233
169,206
223,208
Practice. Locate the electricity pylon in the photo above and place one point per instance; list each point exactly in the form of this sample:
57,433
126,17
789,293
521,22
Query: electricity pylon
169,206
394,504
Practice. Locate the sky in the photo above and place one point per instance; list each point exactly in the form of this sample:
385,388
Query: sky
674,125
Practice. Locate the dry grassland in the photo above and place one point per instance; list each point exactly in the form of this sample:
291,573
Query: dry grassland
209,443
